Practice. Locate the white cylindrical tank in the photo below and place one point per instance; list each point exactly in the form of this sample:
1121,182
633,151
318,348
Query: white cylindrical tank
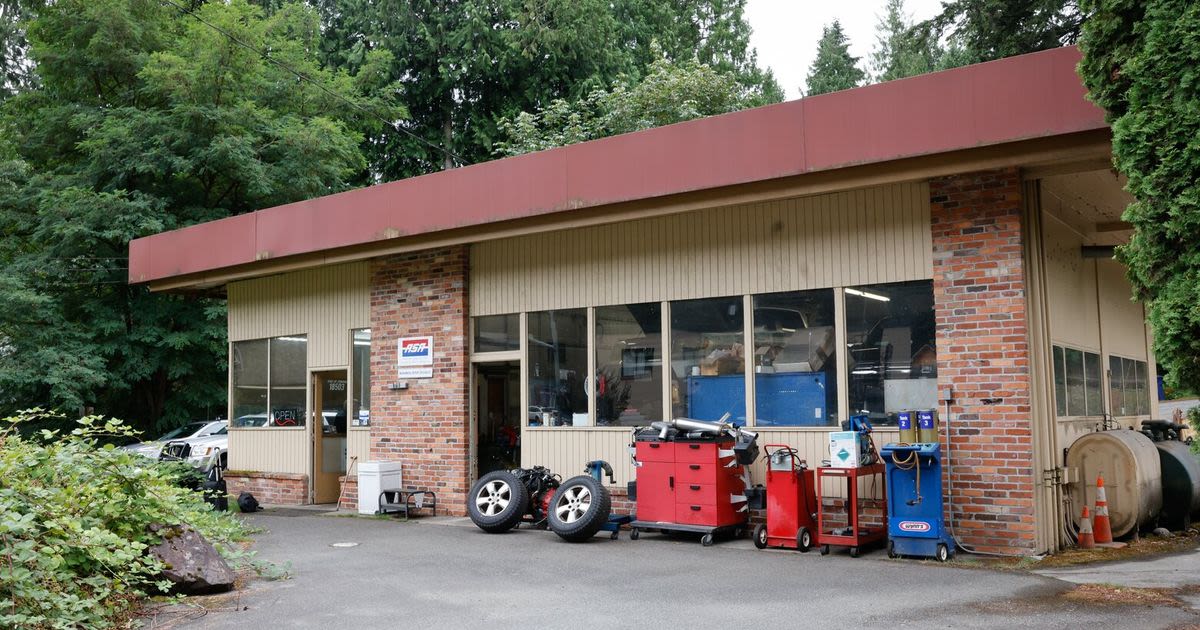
1132,477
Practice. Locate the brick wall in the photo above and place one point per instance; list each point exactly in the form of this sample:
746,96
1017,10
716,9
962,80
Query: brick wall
268,488
983,354
425,427
349,499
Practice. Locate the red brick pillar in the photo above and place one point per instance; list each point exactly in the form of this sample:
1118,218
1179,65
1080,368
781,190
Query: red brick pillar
425,427
983,356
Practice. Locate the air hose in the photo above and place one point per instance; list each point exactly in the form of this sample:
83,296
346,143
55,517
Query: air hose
908,463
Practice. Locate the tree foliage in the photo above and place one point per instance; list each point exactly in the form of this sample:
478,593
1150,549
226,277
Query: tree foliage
75,522
983,30
900,51
143,119
834,68
1140,64
463,66
669,93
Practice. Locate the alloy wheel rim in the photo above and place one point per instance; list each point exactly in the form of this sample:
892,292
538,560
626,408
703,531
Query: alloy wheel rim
493,498
573,504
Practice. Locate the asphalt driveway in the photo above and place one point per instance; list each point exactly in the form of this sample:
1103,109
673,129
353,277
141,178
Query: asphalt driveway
445,573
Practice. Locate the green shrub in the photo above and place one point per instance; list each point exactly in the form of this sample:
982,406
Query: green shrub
1193,418
74,524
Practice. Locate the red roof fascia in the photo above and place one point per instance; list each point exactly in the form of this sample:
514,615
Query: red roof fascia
1031,96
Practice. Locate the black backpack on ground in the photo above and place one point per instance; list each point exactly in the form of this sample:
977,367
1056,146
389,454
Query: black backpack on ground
247,502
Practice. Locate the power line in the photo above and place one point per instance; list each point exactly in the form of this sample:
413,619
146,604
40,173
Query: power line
299,75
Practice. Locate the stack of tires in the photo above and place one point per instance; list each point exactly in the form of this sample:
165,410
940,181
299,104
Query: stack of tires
576,511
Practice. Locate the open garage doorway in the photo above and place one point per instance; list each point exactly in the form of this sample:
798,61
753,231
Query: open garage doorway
497,412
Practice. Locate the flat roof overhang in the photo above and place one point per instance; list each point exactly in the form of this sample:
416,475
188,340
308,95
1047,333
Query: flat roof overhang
1027,110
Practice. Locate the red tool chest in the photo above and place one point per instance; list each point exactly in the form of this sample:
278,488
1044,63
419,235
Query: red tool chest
689,483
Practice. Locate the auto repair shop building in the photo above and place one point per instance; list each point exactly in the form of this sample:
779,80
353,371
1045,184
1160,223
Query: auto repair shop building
939,242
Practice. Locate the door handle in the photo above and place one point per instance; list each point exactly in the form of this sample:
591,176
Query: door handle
671,482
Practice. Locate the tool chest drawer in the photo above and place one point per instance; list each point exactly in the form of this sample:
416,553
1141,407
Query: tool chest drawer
696,493
696,452
656,451
696,473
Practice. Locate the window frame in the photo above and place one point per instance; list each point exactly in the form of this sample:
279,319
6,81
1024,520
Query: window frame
307,385
1105,403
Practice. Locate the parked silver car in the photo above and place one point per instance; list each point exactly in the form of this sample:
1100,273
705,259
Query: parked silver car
191,430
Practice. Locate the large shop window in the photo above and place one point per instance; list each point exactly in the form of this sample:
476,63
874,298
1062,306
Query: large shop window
708,359
557,365
497,333
1128,386
269,382
629,364
1077,382
360,378
795,380
892,352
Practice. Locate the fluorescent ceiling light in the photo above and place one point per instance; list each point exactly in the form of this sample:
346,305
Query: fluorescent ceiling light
869,295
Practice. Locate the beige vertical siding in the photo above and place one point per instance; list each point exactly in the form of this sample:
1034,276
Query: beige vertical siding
864,236
565,451
269,450
1070,288
323,303
1123,322
358,444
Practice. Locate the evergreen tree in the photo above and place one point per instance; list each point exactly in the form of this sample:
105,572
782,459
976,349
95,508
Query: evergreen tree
1139,64
834,67
994,29
899,51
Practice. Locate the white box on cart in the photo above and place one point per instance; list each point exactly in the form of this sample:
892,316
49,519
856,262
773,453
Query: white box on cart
844,449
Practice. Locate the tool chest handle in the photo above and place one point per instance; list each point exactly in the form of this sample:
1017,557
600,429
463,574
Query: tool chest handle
694,466
671,482
694,447
694,487
695,508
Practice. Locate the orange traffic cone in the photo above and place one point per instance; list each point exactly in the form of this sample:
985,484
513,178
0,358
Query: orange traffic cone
1086,539
1103,531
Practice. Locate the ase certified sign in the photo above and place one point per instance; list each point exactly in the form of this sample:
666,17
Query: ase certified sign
414,357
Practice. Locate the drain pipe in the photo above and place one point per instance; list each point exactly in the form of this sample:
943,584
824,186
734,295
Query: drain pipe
950,494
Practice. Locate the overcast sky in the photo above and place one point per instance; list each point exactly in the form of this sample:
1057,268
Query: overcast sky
786,31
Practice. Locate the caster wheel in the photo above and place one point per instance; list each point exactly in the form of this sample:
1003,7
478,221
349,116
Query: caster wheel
760,536
633,534
891,549
854,552
943,552
803,540
614,535
824,550
706,540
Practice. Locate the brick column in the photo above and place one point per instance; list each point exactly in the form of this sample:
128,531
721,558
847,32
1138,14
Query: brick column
425,427
983,355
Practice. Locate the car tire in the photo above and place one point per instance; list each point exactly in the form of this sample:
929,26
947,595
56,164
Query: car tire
497,502
580,507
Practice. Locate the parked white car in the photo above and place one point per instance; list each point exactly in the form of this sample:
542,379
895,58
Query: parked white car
206,451
191,430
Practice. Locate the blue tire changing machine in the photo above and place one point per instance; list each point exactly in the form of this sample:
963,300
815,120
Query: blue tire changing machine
916,516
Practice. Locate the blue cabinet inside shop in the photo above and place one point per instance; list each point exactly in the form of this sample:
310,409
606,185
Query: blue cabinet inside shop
789,399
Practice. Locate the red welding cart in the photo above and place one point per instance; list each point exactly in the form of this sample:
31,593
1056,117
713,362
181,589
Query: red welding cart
854,535
791,501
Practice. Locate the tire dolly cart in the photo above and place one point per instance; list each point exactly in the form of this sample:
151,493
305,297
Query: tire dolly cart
615,521
791,501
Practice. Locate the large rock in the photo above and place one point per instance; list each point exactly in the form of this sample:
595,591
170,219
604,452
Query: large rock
191,563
